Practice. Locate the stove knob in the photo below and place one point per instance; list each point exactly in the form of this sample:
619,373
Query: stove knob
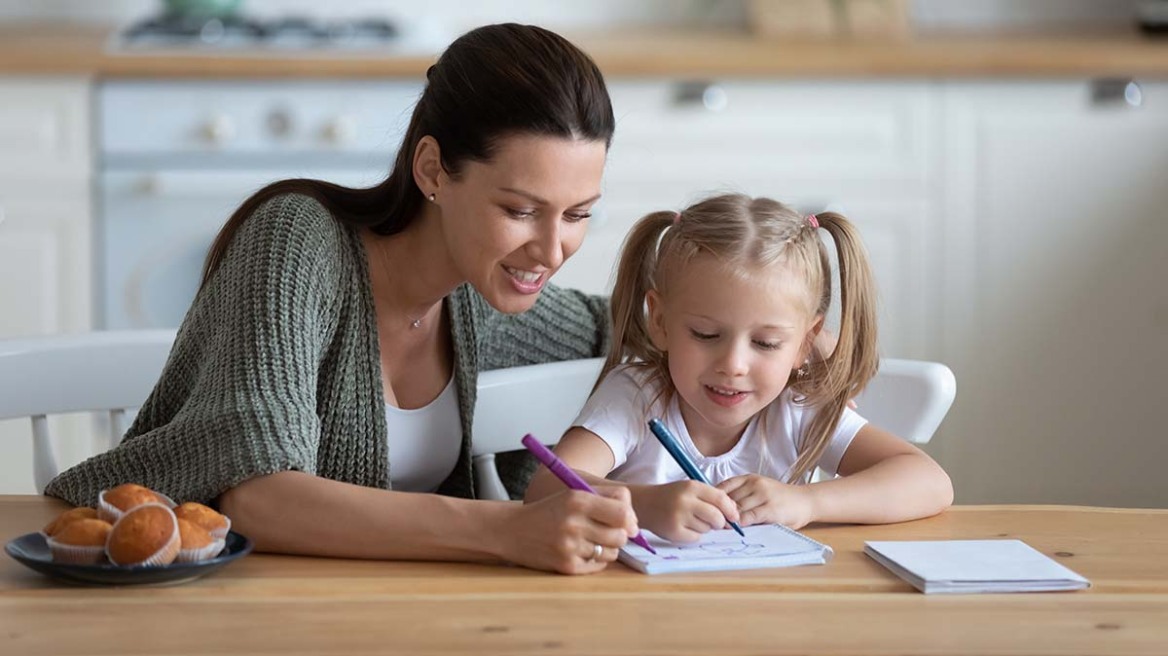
341,130
219,129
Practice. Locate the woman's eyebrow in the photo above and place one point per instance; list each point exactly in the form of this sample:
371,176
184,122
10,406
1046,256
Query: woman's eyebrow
540,201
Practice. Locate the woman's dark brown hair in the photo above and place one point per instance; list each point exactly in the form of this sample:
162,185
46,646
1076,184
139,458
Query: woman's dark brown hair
492,82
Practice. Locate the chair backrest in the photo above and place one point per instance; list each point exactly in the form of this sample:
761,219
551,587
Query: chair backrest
541,399
907,397
101,371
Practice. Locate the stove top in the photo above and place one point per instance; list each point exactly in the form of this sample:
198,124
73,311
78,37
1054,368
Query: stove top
168,32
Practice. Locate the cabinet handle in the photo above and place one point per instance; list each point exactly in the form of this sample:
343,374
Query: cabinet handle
701,94
1113,92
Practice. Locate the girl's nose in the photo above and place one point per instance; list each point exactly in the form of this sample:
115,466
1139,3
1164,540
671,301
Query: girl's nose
734,359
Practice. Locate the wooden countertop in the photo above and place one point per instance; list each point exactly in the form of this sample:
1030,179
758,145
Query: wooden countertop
288,605
47,49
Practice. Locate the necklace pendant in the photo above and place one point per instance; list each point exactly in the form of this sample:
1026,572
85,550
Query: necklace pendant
416,323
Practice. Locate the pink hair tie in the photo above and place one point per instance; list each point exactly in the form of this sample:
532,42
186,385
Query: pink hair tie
811,218
676,218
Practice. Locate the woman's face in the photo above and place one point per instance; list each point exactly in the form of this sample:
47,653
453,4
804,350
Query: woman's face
510,223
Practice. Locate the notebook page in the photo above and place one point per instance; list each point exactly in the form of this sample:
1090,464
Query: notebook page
763,546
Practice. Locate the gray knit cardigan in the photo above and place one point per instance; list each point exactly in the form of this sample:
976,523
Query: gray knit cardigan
276,367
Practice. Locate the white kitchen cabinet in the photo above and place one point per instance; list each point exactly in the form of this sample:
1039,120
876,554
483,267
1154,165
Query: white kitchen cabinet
45,239
1055,304
862,148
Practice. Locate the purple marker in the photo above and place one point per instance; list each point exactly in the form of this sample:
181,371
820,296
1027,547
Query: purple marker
569,477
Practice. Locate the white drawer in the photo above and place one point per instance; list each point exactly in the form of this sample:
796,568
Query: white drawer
44,128
256,118
870,135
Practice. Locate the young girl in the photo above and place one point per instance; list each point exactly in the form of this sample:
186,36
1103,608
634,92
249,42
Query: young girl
715,312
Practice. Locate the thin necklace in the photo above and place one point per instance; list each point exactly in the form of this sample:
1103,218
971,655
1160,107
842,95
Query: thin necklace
414,323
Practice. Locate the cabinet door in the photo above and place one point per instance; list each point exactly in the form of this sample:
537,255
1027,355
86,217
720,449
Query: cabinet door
45,271
45,282
1056,310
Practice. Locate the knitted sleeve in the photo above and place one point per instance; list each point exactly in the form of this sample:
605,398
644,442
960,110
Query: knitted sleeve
237,397
564,324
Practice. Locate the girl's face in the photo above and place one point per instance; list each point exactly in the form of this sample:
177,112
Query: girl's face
732,341
510,223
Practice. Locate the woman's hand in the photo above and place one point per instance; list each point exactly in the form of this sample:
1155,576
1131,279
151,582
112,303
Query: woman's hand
684,510
560,533
763,500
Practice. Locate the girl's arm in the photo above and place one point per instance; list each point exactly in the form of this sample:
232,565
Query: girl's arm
680,511
297,513
883,479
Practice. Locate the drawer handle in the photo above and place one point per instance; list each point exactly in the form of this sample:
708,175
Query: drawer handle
1116,92
707,95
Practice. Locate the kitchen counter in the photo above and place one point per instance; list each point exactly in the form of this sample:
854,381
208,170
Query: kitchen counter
50,49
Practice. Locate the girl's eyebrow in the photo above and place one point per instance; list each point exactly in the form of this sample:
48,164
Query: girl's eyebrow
540,201
784,328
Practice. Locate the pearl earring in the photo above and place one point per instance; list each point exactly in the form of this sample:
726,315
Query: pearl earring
431,197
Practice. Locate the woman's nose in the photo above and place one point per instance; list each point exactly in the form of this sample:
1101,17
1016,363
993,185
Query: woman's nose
547,245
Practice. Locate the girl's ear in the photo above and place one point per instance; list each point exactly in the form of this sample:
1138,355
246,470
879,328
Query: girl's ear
810,339
427,167
656,325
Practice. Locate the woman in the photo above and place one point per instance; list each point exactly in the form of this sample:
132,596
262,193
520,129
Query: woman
322,383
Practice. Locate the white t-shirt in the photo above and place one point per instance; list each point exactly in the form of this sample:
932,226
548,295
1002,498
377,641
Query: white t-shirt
424,443
619,411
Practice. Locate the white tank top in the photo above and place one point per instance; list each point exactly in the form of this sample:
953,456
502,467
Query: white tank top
424,443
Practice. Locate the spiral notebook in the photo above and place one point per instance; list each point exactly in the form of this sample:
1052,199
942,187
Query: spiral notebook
764,546
969,566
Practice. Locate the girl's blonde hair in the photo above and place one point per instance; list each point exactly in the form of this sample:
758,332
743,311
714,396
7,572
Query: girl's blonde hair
747,234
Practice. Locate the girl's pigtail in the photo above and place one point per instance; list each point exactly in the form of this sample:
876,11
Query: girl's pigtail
634,278
831,382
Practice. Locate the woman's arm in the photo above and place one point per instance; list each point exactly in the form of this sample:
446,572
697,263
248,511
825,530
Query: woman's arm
298,513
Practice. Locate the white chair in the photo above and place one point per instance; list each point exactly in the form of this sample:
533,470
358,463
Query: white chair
101,371
907,397
541,399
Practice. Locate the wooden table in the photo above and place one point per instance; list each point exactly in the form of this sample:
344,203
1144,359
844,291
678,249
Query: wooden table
289,605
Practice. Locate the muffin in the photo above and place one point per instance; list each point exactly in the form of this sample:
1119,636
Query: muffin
80,542
212,522
146,535
197,543
67,517
114,502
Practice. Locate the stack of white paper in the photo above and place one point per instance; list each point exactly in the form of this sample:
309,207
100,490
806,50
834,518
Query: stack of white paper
957,566
763,546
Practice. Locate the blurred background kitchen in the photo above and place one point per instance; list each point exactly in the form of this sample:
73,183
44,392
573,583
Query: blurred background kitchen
1007,161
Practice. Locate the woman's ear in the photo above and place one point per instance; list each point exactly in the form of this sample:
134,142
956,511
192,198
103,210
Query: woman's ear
656,322
427,168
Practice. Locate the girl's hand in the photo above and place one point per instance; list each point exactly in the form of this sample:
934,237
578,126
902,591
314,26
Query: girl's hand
684,510
763,500
560,533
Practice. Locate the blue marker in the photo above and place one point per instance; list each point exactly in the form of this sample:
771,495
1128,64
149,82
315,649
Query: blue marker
670,443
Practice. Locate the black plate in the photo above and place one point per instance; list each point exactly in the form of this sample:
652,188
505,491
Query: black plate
32,550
